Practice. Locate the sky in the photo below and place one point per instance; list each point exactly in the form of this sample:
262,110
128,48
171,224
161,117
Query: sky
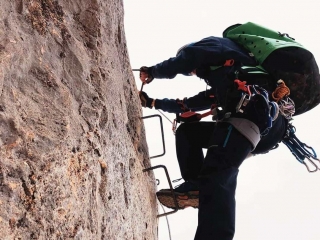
277,198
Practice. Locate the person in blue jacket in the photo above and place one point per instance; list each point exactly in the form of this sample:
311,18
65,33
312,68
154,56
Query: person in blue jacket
210,181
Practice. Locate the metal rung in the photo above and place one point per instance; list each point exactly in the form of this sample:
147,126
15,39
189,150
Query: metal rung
171,188
162,134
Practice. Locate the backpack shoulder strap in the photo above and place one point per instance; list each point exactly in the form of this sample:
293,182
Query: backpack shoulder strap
253,69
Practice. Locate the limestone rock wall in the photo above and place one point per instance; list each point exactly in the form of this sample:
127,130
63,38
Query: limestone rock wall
72,145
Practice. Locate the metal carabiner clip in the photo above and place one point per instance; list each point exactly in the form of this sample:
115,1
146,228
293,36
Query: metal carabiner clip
245,98
313,163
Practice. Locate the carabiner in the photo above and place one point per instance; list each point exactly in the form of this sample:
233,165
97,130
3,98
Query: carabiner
315,165
245,98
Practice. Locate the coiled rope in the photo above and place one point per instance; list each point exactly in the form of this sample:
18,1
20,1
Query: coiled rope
281,91
281,96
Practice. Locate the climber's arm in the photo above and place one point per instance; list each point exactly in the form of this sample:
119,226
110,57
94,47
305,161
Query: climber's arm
199,102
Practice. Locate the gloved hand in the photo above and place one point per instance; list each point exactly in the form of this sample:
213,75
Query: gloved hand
145,100
145,75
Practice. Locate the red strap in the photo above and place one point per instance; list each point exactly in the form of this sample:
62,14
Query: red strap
192,116
228,63
206,114
188,114
241,85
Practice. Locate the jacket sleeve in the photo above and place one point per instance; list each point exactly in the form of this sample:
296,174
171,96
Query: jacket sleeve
206,52
182,64
199,102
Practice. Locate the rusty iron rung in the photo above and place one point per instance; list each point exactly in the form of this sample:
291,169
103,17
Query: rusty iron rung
171,188
162,134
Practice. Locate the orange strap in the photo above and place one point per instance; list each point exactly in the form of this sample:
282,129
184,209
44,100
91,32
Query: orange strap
281,91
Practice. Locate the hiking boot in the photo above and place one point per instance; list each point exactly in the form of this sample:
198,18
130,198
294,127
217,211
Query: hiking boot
186,194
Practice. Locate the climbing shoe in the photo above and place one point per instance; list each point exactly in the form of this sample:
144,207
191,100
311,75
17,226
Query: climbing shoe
186,195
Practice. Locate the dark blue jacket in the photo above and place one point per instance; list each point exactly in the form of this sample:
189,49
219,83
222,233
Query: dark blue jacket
211,51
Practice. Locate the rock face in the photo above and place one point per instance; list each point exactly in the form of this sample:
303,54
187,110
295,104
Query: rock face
72,144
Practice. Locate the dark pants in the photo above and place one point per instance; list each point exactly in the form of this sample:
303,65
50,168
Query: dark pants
218,171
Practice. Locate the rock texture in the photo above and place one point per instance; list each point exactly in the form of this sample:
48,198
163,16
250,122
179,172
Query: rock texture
72,145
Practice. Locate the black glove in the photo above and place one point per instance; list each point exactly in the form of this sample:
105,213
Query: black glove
145,100
146,77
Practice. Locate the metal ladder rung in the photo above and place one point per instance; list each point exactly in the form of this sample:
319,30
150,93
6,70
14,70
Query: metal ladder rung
162,166
171,189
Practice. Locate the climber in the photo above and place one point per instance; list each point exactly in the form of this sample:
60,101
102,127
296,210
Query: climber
229,141
218,169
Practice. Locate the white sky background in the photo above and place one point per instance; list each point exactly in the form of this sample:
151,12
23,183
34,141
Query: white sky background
277,199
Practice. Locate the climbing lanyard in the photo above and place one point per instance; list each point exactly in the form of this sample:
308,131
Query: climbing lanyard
300,150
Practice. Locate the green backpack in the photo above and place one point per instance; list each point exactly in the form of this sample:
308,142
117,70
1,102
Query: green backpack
282,58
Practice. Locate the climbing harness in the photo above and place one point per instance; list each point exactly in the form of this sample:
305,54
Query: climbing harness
256,93
300,150
282,104
248,93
